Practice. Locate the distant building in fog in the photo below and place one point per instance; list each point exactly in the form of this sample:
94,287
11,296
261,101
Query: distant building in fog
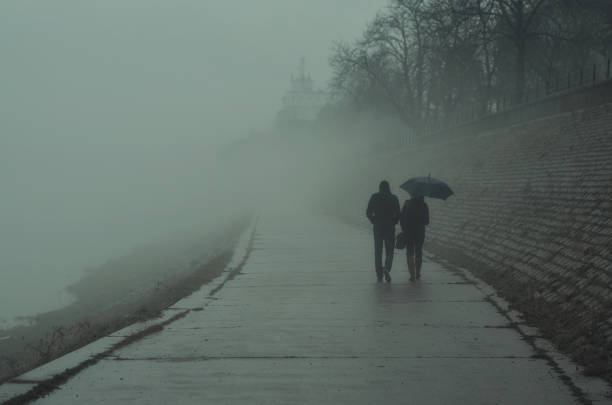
301,103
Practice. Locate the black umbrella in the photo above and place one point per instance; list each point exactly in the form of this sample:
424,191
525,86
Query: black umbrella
427,187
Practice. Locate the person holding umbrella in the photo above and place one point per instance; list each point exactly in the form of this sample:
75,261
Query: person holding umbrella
383,212
415,217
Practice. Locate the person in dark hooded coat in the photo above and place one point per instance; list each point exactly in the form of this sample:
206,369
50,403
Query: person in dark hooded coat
383,212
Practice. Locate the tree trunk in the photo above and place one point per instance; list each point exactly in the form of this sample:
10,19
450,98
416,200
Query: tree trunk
520,70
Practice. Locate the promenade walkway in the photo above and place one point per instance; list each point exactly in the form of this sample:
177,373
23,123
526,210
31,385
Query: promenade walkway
302,320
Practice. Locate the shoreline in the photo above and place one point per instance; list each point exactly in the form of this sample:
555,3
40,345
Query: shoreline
98,311
13,322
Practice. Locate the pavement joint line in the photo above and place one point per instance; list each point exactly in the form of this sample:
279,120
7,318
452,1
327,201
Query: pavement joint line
517,322
300,357
207,327
405,302
25,381
200,308
411,325
427,283
47,386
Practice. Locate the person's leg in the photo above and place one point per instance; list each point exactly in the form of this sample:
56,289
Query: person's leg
410,257
389,248
378,246
418,259
418,253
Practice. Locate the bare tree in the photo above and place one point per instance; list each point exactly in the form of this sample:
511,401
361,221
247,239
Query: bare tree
391,54
361,72
436,60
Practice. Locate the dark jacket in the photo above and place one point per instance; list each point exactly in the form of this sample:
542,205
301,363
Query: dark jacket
415,216
383,208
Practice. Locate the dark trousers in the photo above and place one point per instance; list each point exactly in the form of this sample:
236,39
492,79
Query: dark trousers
414,251
383,234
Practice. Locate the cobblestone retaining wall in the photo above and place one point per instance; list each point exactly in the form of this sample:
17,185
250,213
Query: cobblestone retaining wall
532,215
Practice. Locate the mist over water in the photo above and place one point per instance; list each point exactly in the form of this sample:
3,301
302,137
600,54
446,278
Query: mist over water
70,206
114,117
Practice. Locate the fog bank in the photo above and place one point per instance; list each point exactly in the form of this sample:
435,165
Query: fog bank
113,116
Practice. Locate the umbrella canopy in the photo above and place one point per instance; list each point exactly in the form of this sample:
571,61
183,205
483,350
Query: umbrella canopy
427,187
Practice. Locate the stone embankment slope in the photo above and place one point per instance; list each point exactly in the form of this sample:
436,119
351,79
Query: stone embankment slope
532,216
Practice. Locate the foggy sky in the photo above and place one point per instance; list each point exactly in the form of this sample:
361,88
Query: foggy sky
186,66
110,111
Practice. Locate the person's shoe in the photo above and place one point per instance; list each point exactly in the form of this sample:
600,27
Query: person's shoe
412,278
379,277
387,276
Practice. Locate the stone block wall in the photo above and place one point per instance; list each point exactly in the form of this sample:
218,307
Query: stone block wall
532,215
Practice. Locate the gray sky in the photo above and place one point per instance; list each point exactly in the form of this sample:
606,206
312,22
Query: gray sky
180,67
110,111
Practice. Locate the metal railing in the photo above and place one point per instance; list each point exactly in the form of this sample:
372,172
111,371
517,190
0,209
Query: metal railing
556,83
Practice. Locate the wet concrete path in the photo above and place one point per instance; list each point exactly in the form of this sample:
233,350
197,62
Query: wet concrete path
305,322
